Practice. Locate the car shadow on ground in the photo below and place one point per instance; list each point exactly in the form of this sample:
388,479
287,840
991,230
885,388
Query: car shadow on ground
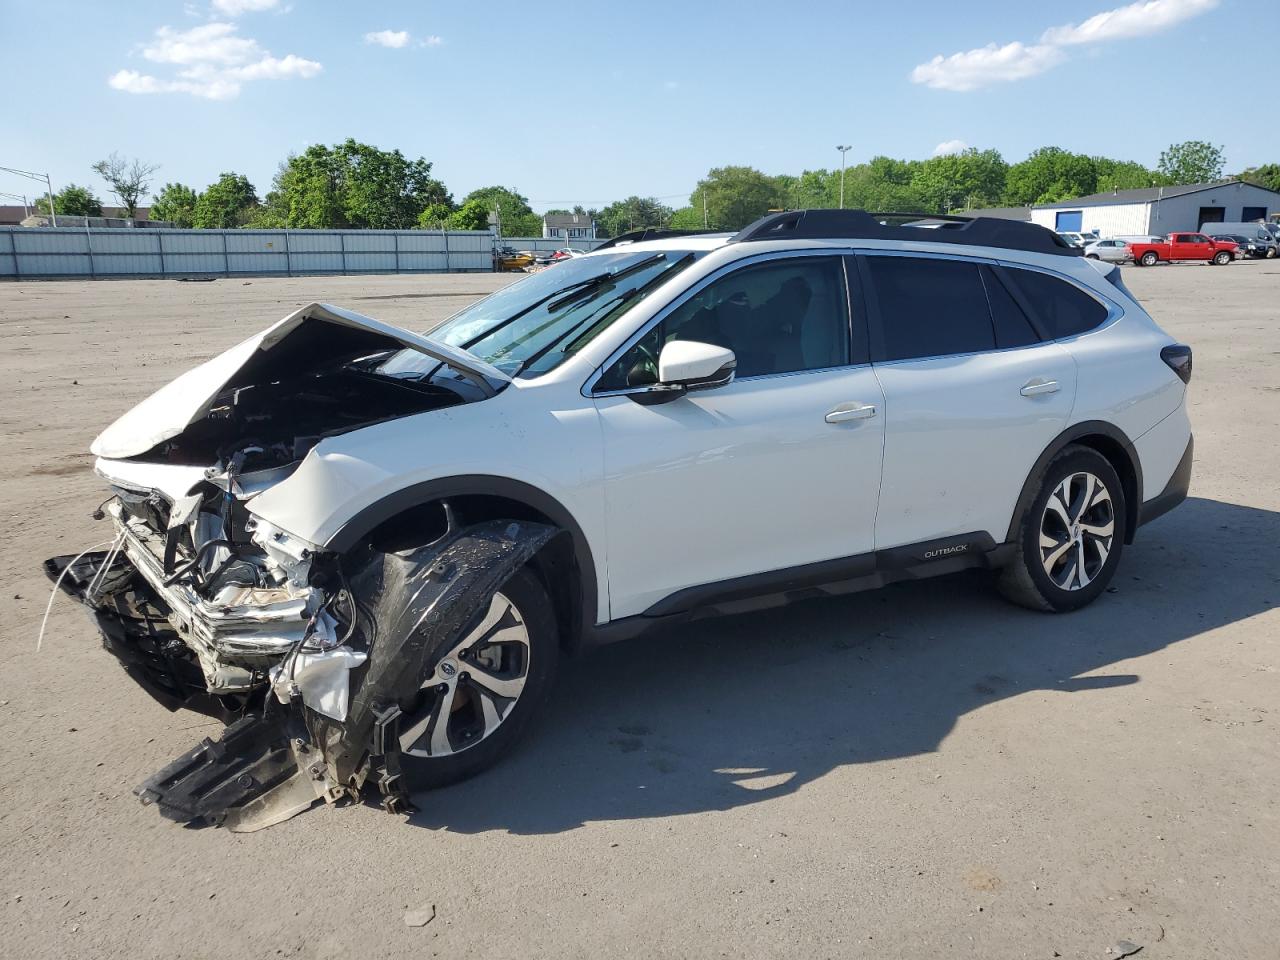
722,713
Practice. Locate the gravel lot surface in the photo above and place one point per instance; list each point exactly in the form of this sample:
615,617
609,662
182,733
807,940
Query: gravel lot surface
923,771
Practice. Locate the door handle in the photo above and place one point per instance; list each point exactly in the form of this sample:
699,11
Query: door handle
851,411
1038,387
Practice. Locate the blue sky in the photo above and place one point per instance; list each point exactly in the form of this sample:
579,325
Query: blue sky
590,102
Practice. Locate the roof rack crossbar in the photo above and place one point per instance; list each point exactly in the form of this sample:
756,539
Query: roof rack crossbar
648,233
861,225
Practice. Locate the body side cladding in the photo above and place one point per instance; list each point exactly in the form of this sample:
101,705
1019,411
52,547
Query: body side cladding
1115,441
481,485
1174,492
866,571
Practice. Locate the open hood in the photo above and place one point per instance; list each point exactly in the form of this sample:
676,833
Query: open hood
314,329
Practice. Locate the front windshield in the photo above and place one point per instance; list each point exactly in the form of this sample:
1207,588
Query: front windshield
534,324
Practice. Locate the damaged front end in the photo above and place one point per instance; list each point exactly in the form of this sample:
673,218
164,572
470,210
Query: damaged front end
307,654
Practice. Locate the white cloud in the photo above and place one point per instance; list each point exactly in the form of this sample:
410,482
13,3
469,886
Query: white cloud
1135,20
950,146
233,8
214,61
210,43
432,40
984,66
388,38
987,65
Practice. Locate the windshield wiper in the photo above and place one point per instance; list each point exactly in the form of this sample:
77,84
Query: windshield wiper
580,290
520,313
607,307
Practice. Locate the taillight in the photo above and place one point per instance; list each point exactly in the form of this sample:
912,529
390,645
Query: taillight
1178,357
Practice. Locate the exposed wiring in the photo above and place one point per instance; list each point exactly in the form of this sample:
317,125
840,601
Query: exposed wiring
57,583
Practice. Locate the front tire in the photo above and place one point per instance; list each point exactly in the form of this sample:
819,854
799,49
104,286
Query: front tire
478,696
1068,543
1222,258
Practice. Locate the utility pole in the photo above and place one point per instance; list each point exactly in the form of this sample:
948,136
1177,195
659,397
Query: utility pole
26,205
53,213
843,150
704,208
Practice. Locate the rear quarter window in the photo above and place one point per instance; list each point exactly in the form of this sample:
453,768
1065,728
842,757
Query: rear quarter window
1063,309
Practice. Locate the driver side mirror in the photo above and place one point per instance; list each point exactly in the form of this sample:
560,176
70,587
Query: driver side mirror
685,366
695,366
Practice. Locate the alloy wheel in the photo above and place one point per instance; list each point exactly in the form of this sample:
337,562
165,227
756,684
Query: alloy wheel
1077,530
473,687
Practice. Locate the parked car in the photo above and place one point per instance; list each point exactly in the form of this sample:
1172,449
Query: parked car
1254,249
1185,246
508,259
1113,251
1255,231
1077,239
370,547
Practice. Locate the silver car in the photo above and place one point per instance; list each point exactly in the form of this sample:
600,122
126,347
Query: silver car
1115,251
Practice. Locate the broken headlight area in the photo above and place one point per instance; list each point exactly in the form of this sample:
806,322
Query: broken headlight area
309,660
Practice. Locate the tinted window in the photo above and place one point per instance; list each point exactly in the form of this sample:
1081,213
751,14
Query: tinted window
778,317
930,308
1063,310
1013,329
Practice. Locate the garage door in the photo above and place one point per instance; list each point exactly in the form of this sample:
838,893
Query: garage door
1069,220
1253,213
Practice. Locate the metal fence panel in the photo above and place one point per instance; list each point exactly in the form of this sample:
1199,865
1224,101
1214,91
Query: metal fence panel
102,252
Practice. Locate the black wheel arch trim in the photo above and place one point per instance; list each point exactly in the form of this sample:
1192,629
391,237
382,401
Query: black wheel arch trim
1074,433
368,519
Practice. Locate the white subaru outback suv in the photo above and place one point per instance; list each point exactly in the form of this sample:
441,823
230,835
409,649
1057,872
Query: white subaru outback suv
366,548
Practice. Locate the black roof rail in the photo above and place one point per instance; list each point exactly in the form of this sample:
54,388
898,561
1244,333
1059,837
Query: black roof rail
648,233
945,228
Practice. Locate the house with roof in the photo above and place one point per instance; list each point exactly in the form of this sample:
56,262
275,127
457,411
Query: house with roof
568,227
1160,210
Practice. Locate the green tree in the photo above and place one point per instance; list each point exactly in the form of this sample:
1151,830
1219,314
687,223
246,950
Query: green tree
128,180
687,218
1048,175
814,189
1192,161
472,215
633,213
735,196
512,208
230,201
1267,175
176,203
353,185
434,216
1124,175
971,178
72,201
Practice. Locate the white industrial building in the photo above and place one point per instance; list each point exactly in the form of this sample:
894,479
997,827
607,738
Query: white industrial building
1160,210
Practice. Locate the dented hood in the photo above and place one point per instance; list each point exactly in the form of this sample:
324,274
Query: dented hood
177,405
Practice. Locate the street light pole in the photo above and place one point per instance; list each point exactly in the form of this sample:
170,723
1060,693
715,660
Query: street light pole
843,150
53,213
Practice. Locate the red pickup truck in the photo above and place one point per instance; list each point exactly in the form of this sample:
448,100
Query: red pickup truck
1184,246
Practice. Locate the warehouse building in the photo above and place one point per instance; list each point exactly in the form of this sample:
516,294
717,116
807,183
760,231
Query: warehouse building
1160,210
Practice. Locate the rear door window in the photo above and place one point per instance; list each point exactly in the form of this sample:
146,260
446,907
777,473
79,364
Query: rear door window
1063,309
1012,327
929,307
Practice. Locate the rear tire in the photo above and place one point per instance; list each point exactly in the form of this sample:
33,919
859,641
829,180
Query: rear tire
1069,541
1150,259
521,611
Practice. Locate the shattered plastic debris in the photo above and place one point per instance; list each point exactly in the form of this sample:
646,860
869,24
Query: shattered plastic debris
420,917
1124,948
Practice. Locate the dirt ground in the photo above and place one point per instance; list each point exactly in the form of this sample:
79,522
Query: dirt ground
923,771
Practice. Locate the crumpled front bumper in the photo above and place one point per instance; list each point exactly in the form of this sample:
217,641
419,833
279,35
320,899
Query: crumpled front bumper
276,759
